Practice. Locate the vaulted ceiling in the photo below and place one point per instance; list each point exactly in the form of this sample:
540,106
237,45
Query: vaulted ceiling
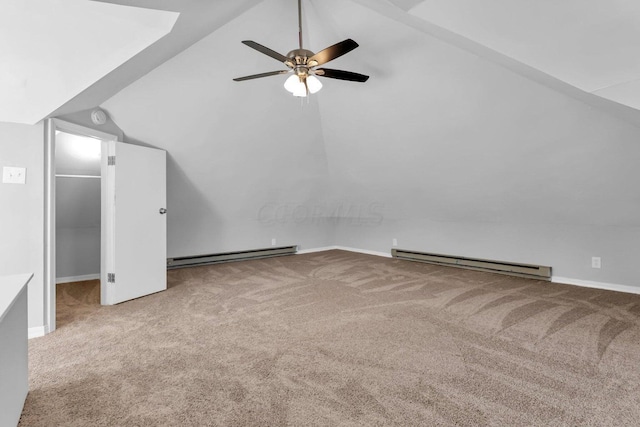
485,124
70,55
446,131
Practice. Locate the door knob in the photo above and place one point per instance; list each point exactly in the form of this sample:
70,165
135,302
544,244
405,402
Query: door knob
163,211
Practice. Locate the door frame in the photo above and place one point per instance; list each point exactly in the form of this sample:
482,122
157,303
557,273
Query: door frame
51,126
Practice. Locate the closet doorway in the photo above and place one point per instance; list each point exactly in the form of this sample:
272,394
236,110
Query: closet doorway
73,216
78,224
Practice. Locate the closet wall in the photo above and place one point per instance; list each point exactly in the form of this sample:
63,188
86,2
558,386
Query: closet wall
77,207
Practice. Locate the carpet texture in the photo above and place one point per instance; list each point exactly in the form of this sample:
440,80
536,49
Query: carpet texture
340,339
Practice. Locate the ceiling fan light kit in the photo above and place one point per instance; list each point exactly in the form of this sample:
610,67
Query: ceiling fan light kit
302,63
296,85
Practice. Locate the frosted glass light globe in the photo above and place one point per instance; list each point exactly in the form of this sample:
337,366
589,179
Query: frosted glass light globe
314,84
295,86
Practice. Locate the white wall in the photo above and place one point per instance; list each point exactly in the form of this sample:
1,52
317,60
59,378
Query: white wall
14,352
22,212
83,118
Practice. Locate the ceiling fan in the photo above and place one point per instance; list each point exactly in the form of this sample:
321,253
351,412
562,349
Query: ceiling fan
303,64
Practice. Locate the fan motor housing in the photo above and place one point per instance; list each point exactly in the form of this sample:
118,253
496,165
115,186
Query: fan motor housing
300,55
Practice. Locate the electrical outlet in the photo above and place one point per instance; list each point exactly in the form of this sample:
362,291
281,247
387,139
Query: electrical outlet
12,175
596,262
273,241
394,242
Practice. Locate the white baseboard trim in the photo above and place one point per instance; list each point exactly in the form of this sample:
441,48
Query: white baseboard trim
364,251
344,248
555,279
314,250
71,279
596,285
37,331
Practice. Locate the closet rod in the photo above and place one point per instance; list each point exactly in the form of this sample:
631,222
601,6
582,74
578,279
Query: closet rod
77,176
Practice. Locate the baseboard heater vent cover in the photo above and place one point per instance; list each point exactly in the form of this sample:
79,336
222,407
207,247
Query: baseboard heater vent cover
521,270
190,261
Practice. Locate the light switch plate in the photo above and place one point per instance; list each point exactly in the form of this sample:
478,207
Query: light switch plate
14,175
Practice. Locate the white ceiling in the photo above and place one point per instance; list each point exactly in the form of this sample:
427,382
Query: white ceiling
52,50
77,155
593,45
70,55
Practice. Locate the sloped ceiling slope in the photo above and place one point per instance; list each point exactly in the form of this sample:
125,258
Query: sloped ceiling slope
442,148
197,19
52,50
445,121
245,159
590,44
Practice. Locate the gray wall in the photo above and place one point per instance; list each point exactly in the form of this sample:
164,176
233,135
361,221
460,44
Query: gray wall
452,154
22,213
235,151
77,227
478,161
78,204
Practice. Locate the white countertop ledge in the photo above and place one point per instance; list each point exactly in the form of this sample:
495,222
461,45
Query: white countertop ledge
10,287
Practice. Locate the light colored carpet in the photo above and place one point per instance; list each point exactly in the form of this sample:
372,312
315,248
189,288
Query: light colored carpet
76,301
338,338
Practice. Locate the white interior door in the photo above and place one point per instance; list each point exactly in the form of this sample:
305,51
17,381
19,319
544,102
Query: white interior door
134,225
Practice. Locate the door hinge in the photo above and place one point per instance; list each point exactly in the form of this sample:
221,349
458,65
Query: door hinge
111,277
111,160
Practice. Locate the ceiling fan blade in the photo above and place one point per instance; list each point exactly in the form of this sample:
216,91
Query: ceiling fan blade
257,76
332,52
265,50
341,75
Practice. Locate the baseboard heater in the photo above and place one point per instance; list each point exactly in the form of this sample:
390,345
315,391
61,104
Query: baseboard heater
190,261
513,269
